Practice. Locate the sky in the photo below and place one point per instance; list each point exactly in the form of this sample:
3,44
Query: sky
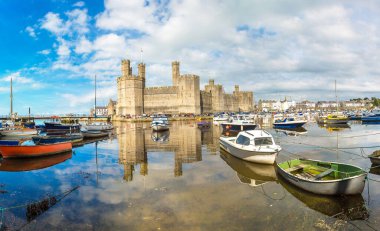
52,49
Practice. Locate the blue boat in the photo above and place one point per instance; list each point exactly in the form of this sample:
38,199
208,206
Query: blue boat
73,138
288,123
9,142
56,127
373,118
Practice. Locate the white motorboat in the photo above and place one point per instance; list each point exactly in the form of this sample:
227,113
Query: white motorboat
160,124
238,123
98,126
254,145
220,118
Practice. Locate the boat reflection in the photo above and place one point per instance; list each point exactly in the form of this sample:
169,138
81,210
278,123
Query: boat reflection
342,207
292,131
334,127
160,137
375,169
250,173
28,164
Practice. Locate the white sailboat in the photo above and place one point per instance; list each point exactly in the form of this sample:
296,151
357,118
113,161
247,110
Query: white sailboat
96,127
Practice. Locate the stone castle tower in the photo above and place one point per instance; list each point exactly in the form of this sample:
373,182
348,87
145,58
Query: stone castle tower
130,90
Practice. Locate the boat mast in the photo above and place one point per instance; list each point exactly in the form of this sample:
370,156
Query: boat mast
95,99
336,98
11,98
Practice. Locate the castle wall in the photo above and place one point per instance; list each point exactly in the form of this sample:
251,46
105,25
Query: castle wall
161,99
230,103
206,102
245,101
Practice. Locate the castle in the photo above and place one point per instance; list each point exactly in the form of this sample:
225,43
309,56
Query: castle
184,96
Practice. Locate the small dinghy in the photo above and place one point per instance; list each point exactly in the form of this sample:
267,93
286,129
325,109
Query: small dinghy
255,146
375,157
21,151
94,134
322,177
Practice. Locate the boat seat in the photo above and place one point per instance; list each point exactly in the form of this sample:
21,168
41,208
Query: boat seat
323,174
296,168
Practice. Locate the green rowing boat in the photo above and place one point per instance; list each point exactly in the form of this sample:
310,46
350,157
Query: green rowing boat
322,177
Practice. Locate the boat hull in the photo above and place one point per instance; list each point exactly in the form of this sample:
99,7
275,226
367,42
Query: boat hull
238,127
19,133
160,128
349,186
288,125
89,134
264,157
34,151
57,139
104,127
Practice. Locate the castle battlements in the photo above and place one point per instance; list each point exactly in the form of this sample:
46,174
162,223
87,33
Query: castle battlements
161,90
190,76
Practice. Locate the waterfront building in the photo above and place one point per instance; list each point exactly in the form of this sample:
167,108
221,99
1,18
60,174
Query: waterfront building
274,106
183,97
305,106
101,111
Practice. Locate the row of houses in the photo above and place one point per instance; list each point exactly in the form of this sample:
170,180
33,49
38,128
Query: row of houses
270,105
285,105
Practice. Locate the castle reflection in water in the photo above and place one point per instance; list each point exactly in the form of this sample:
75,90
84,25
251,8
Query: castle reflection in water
184,139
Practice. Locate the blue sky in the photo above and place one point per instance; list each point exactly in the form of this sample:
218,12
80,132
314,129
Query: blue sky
54,48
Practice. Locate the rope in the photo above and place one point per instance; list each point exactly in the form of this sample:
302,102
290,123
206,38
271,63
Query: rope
327,148
25,205
344,137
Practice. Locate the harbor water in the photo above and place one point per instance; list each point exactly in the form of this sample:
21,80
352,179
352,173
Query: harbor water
138,179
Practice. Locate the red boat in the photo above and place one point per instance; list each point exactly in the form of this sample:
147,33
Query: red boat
34,151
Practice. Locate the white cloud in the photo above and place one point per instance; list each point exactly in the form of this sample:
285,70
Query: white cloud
30,30
44,52
17,78
83,46
110,46
63,48
79,4
53,23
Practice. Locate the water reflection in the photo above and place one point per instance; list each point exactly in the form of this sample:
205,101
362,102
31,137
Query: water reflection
292,131
334,127
28,164
375,169
160,137
250,173
342,207
136,140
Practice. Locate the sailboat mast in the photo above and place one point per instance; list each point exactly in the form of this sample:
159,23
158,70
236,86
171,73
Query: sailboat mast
95,99
336,98
11,98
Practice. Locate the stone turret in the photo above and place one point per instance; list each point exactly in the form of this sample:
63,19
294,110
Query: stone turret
125,66
130,90
175,72
236,88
